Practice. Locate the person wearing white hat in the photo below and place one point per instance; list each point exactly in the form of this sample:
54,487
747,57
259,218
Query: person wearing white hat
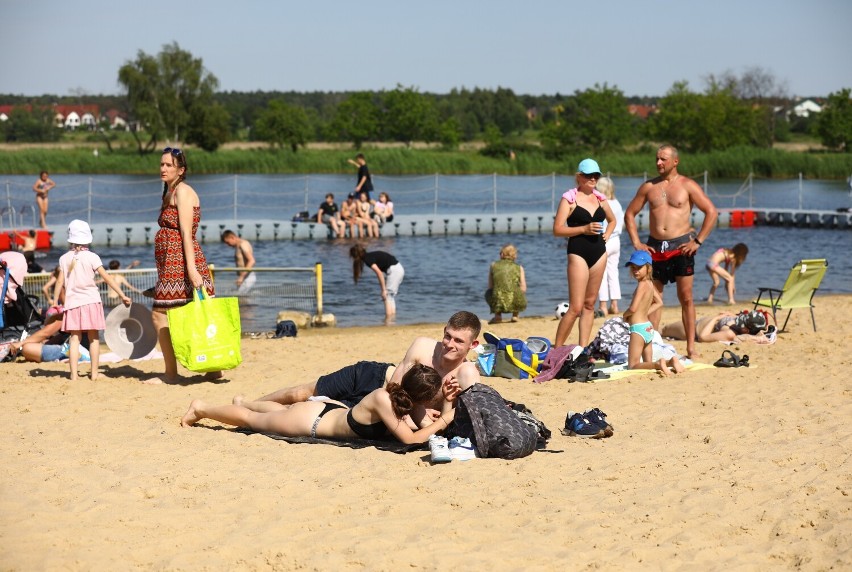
579,218
84,311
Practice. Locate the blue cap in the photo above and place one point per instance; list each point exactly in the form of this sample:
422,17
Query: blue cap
639,258
588,166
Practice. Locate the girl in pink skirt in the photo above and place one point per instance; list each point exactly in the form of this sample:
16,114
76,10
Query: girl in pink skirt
84,311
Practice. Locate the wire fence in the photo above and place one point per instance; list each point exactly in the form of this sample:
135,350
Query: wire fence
274,289
118,199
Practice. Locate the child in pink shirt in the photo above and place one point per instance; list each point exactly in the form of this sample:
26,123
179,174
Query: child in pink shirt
84,311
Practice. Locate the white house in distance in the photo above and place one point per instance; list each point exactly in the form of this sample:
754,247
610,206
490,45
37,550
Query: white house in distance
806,107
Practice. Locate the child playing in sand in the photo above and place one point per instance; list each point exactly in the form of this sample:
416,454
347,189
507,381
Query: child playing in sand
646,300
84,311
731,258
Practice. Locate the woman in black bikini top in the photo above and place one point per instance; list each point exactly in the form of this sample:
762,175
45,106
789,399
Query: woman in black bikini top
579,218
379,413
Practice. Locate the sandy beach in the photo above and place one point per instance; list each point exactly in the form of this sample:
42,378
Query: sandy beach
745,468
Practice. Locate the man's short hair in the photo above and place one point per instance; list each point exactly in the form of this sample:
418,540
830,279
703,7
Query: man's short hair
464,320
227,234
330,196
360,156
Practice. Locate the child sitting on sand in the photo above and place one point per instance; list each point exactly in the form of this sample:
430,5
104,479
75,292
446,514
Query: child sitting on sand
646,300
731,258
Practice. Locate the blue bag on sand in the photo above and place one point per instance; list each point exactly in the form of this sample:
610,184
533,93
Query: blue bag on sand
518,359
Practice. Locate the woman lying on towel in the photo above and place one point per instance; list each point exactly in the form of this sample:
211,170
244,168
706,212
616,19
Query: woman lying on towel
726,327
378,415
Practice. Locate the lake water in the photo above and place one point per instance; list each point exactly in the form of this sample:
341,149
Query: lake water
244,198
448,273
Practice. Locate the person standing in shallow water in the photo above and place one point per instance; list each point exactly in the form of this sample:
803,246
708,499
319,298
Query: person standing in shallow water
388,270
181,266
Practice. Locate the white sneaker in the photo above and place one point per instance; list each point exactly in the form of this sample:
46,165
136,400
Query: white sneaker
461,449
440,450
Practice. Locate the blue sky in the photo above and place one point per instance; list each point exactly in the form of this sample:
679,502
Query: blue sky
532,47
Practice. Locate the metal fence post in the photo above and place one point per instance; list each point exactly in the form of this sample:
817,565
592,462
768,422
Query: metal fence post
494,190
89,206
435,205
235,196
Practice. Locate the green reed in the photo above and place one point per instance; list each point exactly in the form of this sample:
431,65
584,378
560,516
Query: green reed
731,163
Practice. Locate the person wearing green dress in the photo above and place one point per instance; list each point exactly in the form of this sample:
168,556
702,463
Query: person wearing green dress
507,286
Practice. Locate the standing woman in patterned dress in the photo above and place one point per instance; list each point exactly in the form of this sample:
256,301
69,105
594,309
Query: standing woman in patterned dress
181,266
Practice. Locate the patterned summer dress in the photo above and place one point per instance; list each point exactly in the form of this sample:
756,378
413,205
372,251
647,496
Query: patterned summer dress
173,288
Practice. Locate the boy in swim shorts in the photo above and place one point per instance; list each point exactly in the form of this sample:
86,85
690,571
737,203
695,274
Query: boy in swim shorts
646,299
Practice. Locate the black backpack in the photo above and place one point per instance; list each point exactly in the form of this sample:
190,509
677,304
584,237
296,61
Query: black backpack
495,429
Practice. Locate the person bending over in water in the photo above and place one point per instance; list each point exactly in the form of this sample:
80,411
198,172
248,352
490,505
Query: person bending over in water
646,299
381,413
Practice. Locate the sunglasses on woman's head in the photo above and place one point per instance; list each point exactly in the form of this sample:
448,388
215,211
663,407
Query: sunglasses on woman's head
173,150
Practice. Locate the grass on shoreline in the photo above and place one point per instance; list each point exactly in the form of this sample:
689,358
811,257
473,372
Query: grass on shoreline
731,163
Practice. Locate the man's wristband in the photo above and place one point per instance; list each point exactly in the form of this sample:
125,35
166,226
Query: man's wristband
698,242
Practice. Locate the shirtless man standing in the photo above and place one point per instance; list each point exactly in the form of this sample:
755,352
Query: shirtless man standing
243,258
352,383
672,242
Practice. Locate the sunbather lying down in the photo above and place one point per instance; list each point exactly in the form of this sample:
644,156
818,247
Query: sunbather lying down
381,413
723,327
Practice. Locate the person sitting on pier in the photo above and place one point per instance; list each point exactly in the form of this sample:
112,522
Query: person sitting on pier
383,209
349,216
329,214
365,215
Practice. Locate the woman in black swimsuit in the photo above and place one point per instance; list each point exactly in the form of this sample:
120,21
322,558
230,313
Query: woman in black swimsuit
579,218
380,413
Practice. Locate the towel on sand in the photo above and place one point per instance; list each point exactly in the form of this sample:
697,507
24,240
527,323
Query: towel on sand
392,446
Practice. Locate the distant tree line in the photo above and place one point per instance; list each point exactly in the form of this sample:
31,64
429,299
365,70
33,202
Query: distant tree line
172,97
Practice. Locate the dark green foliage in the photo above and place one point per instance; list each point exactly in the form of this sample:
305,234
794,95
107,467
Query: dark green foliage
29,126
835,121
162,93
282,124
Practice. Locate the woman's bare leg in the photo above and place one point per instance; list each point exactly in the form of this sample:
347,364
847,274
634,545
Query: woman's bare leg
161,323
593,286
577,273
293,421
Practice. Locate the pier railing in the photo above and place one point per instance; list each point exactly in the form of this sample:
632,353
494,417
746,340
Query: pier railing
117,200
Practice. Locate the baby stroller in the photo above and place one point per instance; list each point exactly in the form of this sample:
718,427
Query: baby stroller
20,314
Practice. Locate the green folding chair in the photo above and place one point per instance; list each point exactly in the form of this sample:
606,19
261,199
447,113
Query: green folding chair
798,292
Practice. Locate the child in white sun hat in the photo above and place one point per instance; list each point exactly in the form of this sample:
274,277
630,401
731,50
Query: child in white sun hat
84,311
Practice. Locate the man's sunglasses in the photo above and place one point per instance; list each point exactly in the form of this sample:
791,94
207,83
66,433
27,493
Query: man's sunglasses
173,150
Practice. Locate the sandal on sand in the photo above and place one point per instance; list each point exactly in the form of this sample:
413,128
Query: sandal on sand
743,362
729,359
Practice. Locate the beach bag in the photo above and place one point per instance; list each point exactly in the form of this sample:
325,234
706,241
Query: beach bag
206,333
518,359
496,430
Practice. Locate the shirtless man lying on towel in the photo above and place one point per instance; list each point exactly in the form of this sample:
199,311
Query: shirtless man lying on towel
354,382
